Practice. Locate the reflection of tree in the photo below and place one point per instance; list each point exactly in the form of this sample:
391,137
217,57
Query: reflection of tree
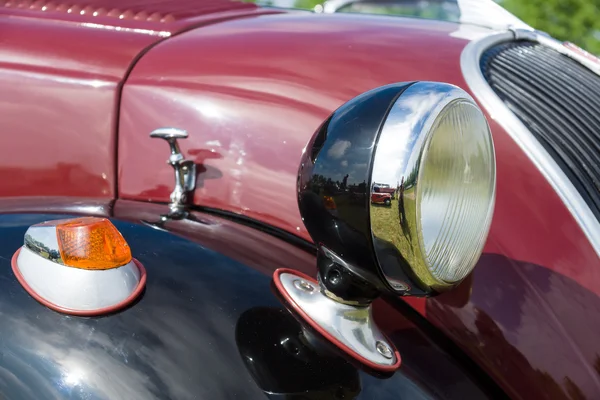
322,185
573,390
502,357
42,249
495,333
401,210
361,187
575,20
326,186
411,179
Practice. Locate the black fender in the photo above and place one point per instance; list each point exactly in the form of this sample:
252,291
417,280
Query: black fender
194,332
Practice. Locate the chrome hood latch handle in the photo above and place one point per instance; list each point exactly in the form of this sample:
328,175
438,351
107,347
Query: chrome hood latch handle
185,171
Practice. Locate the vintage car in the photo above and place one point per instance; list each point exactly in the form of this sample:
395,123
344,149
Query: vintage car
381,198
251,263
384,188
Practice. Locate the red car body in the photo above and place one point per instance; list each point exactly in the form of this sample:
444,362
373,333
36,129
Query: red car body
381,198
83,84
385,189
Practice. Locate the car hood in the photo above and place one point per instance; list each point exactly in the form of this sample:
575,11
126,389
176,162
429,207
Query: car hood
250,117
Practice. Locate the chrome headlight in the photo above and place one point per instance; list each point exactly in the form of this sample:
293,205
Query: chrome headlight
436,149
396,189
409,172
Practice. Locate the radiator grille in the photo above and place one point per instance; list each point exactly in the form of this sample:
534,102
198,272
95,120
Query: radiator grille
558,100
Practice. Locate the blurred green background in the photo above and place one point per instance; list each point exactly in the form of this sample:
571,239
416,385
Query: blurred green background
577,21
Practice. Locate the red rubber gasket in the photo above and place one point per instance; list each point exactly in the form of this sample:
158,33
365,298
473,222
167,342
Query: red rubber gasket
318,328
81,313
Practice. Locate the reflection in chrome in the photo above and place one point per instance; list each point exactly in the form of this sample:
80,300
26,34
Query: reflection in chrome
40,268
288,361
351,325
568,49
436,149
41,240
498,111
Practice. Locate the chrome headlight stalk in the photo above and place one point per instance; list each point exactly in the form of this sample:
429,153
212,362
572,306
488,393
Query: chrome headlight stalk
397,190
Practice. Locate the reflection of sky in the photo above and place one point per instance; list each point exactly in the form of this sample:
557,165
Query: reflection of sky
338,149
348,154
350,150
396,140
342,160
389,164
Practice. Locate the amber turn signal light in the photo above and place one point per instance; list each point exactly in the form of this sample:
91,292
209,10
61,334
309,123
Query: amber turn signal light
92,243
79,266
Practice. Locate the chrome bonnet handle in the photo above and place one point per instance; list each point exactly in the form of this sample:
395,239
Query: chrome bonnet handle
185,170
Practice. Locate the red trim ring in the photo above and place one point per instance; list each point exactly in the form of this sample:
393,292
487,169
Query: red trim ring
81,313
327,335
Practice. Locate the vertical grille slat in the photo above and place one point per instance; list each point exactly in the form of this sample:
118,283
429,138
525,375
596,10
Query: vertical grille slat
550,86
542,98
558,100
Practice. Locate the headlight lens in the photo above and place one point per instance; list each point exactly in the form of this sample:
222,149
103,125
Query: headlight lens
455,191
436,149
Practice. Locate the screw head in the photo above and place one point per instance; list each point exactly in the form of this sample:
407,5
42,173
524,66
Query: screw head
304,286
384,349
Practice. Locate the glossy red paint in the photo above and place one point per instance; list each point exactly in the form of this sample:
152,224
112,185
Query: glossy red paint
57,103
61,70
380,198
100,207
529,309
251,93
385,189
163,17
254,117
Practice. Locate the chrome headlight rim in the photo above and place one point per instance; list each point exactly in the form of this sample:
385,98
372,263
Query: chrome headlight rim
431,99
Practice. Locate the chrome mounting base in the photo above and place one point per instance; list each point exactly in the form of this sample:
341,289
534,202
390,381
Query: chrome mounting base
350,328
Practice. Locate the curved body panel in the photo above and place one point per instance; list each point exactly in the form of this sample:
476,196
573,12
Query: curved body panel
62,66
252,92
207,326
58,104
249,120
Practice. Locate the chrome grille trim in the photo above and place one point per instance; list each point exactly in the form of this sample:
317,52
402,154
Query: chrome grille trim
498,111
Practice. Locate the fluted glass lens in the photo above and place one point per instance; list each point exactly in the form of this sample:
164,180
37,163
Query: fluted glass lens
455,191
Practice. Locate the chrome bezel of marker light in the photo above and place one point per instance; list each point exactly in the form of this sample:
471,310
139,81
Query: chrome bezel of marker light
40,269
419,128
